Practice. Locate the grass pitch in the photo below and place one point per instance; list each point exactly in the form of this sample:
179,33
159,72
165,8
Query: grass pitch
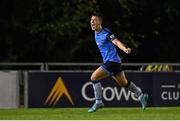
156,113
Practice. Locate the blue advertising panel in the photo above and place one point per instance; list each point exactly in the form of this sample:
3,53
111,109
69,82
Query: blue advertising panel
74,89
166,89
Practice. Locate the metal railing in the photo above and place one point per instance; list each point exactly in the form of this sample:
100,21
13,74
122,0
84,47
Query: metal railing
22,66
78,66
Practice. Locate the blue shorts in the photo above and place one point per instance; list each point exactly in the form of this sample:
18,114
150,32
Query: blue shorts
112,68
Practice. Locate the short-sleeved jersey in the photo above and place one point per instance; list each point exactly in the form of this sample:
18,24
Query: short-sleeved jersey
107,49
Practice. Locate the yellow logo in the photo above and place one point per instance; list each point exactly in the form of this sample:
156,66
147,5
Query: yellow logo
56,93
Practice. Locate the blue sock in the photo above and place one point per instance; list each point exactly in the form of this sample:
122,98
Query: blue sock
97,91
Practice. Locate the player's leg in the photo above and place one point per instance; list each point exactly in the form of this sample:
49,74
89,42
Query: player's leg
122,81
97,75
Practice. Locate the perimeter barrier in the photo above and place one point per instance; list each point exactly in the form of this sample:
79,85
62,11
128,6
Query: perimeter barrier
46,85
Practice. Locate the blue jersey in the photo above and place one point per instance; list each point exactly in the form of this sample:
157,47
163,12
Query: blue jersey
107,48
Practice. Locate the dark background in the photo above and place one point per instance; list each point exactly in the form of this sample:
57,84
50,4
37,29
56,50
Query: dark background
59,30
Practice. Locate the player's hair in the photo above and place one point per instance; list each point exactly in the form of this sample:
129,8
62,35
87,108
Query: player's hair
98,14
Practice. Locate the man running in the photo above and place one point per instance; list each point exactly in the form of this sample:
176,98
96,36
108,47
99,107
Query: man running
106,42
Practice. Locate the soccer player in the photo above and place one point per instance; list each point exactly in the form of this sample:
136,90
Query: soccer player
106,42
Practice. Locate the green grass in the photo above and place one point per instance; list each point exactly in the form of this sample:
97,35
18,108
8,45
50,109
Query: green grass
165,113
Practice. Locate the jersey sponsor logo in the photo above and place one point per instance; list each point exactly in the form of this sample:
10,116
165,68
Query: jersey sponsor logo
57,92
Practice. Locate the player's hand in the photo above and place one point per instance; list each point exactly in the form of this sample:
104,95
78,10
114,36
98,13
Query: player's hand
127,50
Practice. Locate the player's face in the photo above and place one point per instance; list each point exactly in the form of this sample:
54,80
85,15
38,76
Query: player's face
95,23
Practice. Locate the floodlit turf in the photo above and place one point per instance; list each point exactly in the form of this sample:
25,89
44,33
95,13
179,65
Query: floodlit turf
164,113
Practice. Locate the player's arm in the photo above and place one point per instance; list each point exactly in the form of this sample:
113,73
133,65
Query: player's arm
118,43
121,46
